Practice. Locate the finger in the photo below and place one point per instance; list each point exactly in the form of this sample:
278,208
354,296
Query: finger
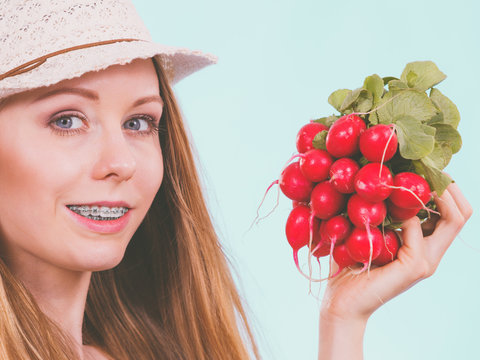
410,266
449,225
412,235
462,203
447,207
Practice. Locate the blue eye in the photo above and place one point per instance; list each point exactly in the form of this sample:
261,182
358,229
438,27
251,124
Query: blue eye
141,125
138,124
68,122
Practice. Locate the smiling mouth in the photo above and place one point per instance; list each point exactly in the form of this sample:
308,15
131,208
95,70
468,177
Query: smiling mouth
101,213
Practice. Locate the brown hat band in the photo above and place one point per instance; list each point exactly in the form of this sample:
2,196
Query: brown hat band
39,61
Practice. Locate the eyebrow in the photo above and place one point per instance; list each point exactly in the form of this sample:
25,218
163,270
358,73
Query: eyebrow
89,94
92,95
148,99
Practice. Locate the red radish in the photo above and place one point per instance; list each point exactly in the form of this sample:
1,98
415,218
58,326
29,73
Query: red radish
294,184
342,257
335,229
365,213
315,165
321,249
343,135
401,214
326,201
297,229
358,244
376,141
342,174
390,248
306,135
411,191
295,203
324,247
373,182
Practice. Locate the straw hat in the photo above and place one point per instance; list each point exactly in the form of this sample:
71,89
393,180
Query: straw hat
43,42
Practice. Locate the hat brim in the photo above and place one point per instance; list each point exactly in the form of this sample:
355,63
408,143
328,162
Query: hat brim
177,63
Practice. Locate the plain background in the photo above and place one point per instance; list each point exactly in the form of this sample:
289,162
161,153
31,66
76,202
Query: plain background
278,62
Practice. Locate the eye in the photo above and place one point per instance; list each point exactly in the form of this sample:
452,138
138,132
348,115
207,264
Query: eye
138,124
68,122
141,125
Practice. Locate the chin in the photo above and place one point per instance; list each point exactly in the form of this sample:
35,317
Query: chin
104,265
98,261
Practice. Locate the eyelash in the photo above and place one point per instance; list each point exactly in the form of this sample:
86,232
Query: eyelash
153,126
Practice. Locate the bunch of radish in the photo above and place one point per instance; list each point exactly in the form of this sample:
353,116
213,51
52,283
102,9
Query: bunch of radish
359,174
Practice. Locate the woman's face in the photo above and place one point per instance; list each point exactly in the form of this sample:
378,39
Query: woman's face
80,164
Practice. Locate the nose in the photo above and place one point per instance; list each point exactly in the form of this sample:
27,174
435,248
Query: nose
115,159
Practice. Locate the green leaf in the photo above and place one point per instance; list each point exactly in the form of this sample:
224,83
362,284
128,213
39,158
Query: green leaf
407,102
437,119
397,85
337,97
364,102
446,106
319,141
387,79
447,135
415,140
359,100
374,84
373,118
327,121
351,97
422,75
429,130
441,155
437,179
411,79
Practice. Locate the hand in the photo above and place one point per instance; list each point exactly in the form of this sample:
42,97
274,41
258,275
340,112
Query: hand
356,297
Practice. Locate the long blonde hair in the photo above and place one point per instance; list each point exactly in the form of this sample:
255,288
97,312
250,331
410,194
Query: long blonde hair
171,297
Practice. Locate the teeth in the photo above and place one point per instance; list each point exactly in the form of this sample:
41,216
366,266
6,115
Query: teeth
94,211
99,213
105,212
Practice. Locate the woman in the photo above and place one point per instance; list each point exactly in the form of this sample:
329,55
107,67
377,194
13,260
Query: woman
106,246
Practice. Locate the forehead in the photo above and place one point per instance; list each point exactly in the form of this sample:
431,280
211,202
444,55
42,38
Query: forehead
136,78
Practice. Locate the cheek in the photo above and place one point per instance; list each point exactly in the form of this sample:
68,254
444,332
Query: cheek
150,172
31,180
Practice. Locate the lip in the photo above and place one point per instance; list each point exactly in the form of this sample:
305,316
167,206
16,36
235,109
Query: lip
102,226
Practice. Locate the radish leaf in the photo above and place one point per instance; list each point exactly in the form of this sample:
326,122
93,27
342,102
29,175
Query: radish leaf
358,100
327,121
337,97
446,135
319,141
374,84
387,79
415,140
441,155
373,118
437,180
446,106
397,85
422,75
407,102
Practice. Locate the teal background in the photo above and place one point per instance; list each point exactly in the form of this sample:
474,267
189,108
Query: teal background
278,62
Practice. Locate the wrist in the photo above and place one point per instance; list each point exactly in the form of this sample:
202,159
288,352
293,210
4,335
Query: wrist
333,313
341,337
